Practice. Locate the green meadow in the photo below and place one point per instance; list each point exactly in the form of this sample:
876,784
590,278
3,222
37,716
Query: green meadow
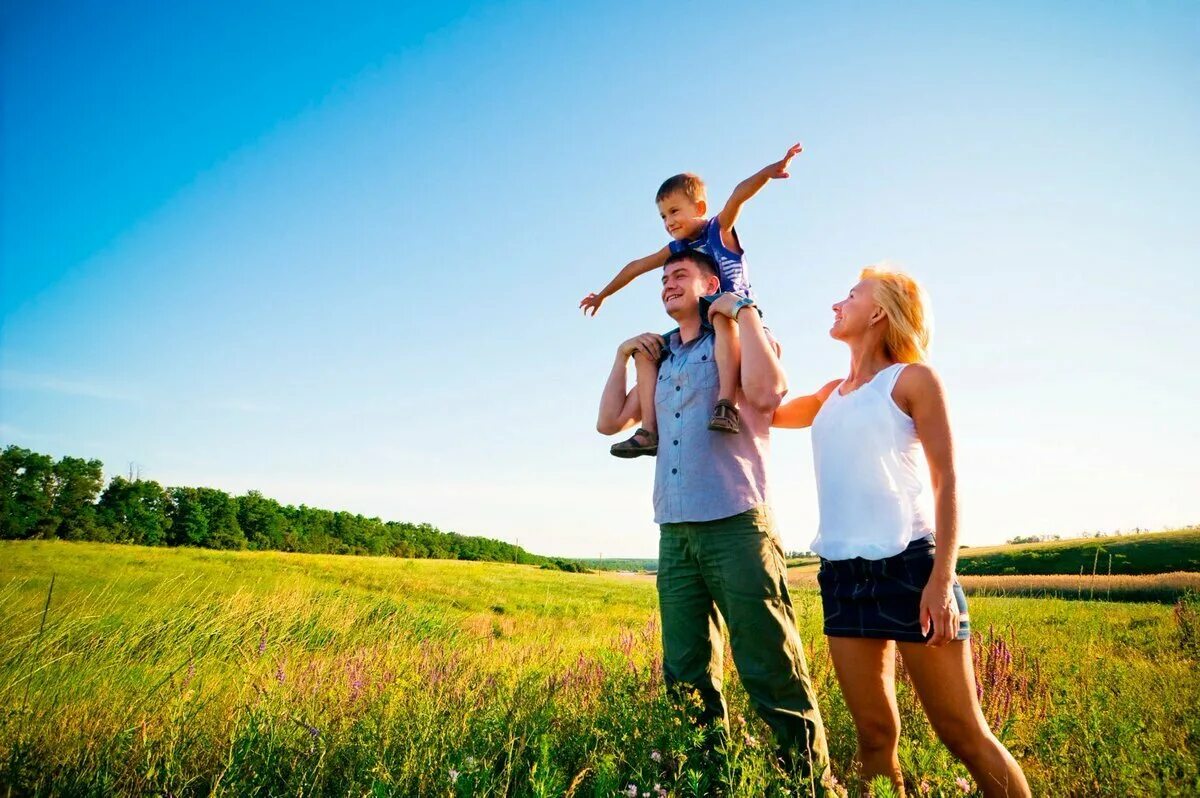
152,671
1144,553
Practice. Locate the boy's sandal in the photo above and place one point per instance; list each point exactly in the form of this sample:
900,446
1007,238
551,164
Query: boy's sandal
643,442
725,418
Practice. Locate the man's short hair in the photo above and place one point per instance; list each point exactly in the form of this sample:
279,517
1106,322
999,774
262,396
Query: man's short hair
688,184
705,263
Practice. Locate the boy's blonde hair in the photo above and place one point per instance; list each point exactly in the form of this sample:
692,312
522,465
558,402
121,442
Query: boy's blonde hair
688,184
910,320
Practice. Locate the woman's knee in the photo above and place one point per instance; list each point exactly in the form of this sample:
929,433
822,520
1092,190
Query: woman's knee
967,737
879,733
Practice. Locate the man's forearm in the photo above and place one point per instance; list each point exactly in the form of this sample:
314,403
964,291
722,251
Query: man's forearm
763,380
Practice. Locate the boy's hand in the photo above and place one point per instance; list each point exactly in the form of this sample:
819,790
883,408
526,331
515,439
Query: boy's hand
779,169
591,302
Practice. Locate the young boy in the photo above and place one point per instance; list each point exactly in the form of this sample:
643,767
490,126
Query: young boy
683,205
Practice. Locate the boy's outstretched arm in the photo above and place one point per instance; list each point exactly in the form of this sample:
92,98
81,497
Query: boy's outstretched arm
635,268
752,185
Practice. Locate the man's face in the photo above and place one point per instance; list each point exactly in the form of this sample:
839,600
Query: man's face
681,217
683,283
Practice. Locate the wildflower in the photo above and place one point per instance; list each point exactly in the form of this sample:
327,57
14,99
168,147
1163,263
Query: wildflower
279,674
262,643
453,776
656,756
925,788
631,791
963,785
659,792
751,741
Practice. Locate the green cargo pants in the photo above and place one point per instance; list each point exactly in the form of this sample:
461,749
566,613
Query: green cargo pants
735,567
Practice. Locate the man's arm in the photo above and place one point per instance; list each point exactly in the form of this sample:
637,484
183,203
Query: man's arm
635,268
619,407
800,412
751,186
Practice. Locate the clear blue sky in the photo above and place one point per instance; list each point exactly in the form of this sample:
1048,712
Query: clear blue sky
335,255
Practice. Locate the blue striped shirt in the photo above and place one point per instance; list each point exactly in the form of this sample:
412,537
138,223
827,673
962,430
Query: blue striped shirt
702,475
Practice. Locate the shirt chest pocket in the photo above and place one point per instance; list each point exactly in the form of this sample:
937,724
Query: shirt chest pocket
698,374
701,374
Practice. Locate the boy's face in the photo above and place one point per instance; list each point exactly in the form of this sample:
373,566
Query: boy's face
682,217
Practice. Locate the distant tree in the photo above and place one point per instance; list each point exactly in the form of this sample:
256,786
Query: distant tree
27,491
221,511
41,498
189,521
77,484
262,521
135,512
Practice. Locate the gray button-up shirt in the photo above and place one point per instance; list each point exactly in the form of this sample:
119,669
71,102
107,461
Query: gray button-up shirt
703,475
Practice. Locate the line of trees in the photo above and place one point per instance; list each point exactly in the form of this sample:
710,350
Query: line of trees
67,499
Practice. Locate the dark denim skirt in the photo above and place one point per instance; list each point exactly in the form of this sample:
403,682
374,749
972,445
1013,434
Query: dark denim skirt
882,598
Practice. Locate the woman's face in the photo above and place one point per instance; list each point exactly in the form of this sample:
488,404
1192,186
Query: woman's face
854,314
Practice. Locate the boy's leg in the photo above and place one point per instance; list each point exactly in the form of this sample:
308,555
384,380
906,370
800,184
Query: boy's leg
729,366
729,357
645,440
647,379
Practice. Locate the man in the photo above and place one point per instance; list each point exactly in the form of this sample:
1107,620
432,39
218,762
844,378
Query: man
718,549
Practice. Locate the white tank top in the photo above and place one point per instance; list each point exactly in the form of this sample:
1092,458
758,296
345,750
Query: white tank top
872,479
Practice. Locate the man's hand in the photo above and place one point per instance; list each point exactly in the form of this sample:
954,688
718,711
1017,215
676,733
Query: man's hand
939,611
591,302
649,344
779,169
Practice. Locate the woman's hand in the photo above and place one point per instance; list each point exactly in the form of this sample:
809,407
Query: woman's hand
939,610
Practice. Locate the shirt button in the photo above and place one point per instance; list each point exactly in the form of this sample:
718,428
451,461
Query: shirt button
704,357
675,443
674,470
676,415
677,387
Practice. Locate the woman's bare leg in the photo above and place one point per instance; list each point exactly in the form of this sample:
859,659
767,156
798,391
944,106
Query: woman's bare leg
866,671
945,682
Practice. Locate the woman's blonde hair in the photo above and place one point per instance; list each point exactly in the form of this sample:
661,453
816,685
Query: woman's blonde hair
910,320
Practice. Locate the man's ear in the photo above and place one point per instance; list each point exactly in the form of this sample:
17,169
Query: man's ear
714,285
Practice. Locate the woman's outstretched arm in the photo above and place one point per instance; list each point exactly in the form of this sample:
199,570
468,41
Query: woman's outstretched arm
800,412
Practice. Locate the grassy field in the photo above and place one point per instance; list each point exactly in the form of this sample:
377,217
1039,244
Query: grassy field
1161,588
187,672
1146,553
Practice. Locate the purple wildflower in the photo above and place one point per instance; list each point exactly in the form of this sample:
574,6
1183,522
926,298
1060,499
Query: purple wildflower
963,785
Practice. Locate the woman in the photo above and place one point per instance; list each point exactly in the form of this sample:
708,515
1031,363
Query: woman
884,582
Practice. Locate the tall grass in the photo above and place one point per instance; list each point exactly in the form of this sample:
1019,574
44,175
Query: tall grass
188,672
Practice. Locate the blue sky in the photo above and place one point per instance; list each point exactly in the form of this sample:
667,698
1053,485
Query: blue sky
336,255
